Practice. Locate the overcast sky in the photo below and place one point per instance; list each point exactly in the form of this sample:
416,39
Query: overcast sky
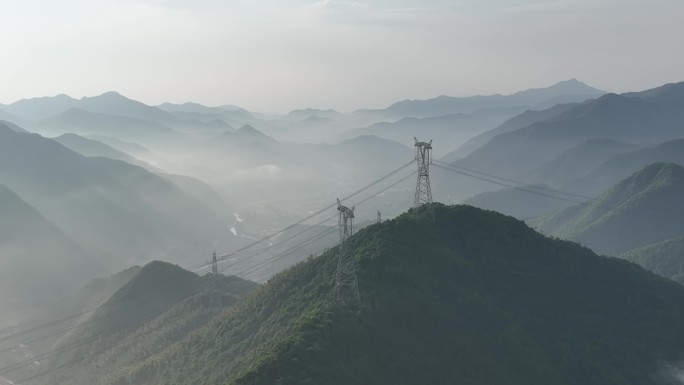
277,55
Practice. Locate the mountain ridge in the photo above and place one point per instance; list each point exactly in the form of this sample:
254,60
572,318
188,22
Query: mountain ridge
494,291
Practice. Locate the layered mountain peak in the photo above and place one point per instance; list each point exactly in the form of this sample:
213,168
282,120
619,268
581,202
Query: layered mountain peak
248,131
651,178
574,86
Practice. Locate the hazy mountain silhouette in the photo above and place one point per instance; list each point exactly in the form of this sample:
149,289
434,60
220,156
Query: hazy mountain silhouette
107,205
201,112
447,130
623,164
112,104
518,121
526,309
250,147
12,120
139,152
642,209
91,147
562,92
652,116
83,122
576,162
12,126
40,108
303,114
39,261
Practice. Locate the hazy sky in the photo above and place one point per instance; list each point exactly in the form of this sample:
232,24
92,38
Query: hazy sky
283,54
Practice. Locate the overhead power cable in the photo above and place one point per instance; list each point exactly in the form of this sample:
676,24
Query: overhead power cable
39,324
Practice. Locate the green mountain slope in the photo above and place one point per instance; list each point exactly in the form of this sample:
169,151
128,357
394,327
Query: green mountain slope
160,305
665,258
642,209
473,297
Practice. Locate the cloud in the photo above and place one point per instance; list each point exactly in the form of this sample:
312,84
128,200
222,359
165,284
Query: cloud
671,374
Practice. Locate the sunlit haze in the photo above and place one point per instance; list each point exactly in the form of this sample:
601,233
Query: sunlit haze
274,56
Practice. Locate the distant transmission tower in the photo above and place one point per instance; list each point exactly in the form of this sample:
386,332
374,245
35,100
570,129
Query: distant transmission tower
214,265
423,159
379,217
346,282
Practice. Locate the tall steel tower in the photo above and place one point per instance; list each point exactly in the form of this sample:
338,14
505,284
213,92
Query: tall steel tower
214,265
379,217
423,159
346,282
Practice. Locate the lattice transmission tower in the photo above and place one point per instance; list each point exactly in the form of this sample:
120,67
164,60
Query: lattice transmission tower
346,282
214,264
423,159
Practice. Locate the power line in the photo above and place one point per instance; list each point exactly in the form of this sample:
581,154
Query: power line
579,279
509,185
538,187
287,252
223,257
272,259
279,244
19,365
40,326
590,202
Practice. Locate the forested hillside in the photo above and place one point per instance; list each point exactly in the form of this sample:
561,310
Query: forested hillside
157,307
473,297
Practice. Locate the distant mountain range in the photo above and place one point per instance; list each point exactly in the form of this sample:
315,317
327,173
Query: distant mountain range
255,159
83,122
518,154
112,114
563,92
469,297
445,129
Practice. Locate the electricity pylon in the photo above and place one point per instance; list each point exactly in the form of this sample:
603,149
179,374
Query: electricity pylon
423,159
346,282
214,265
